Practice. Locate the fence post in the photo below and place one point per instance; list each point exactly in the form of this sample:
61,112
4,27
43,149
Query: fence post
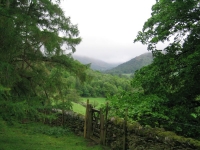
101,127
89,121
105,126
86,119
125,131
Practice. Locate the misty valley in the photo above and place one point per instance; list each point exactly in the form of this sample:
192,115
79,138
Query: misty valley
51,98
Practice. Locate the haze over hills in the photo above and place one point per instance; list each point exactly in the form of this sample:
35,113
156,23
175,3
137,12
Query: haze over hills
132,65
95,63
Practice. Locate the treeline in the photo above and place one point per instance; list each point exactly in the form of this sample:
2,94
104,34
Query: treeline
99,85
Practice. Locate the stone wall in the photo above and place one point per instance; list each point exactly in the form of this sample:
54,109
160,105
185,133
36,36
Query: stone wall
137,137
145,138
72,120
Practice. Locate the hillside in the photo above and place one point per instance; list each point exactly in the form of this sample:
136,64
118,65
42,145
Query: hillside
132,65
95,63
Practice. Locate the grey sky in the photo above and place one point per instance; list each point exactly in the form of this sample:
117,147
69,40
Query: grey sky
108,27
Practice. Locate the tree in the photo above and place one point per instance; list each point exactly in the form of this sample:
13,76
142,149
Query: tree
174,73
109,89
35,35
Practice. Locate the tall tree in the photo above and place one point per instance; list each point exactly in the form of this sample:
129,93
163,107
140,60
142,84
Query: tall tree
174,73
35,36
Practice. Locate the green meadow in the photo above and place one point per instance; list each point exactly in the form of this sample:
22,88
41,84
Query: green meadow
96,102
37,136
78,108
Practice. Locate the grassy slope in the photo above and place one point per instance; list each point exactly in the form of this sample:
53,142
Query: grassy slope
78,108
27,137
100,100
81,109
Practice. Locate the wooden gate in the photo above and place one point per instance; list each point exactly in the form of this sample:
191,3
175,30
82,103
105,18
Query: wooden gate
95,124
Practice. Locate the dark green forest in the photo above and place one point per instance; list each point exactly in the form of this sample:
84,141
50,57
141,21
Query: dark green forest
97,84
37,68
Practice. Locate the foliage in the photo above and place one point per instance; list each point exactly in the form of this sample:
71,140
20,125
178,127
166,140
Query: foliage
150,109
97,84
145,109
102,85
33,58
166,92
174,74
178,66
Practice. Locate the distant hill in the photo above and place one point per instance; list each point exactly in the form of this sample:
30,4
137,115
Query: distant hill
95,63
132,65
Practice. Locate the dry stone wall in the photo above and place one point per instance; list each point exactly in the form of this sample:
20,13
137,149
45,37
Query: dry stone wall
137,137
72,120
146,138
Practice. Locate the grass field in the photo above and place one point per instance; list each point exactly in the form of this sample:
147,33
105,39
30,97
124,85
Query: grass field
97,102
35,136
78,108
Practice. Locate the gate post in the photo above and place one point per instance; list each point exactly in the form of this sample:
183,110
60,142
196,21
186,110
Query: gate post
105,124
125,129
86,118
89,121
102,141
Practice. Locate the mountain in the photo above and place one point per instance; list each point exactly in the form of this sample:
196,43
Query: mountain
95,63
132,65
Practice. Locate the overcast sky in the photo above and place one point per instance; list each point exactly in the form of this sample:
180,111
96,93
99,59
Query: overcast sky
108,27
